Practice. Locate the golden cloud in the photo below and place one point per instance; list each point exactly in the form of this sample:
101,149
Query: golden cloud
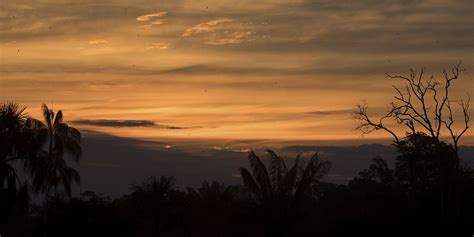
232,38
209,26
157,22
151,46
98,41
148,17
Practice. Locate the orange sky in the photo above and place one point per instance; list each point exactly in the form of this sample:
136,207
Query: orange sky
224,69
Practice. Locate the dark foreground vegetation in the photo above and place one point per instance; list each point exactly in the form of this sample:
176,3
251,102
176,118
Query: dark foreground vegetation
428,191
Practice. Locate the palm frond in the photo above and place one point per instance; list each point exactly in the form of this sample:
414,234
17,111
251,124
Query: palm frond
12,114
74,134
315,169
249,181
47,115
58,148
73,149
153,188
277,169
291,176
260,172
58,119
69,176
34,124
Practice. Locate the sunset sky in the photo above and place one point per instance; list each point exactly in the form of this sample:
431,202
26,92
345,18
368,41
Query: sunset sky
209,69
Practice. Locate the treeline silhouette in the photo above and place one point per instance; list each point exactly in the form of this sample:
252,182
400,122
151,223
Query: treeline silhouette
275,199
428,191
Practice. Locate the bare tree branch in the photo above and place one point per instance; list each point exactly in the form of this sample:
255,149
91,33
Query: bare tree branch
421,103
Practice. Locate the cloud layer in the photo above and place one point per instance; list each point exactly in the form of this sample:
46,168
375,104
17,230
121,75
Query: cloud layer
269,68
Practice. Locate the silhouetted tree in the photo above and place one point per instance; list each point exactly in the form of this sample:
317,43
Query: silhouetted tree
378,171
12,119
424,107
150,199
153,189
418,166
18,142
421,105
49,169
279,191
214,207
46,165
279,181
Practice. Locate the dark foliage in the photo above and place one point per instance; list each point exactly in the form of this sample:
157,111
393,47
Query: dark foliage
377,202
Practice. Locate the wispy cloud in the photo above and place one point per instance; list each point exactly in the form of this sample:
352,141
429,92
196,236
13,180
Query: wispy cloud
151,46
148,26
157,22
209,26
98,41
148,17
145,27
231,38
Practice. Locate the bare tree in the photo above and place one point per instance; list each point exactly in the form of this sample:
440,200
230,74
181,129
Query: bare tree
422,104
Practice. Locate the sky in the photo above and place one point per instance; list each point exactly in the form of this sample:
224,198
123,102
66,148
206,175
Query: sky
226,70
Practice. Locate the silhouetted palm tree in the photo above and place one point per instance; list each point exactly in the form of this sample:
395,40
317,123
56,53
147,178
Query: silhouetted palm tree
48,168
16,140
279,182
280,193
12,120
150,198
153,189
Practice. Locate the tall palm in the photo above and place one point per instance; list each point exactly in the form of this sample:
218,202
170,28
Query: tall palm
48,168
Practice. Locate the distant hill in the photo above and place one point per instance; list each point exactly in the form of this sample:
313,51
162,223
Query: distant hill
110,164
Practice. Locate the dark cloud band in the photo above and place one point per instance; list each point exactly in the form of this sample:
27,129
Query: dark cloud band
126,123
